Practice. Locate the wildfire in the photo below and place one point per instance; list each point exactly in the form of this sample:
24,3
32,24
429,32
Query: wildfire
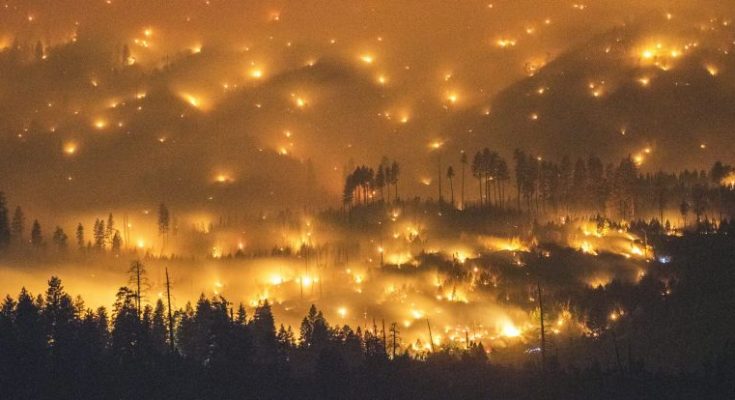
255,73
712,69
509,330
223,178
452,97
505,43
299,101
367,58
100,123
70,148
587,248
193,100
644,81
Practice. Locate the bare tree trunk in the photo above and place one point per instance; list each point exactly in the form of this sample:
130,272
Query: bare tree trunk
431,338
439,165
394,328
451,189
462,196
543,331
479,180
170,315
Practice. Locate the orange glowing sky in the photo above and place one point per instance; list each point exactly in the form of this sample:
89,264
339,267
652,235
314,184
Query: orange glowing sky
210,102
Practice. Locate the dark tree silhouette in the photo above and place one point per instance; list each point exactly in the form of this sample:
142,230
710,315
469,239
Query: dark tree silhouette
36,235
4,222
99,234
450,177
463,161
164,222
60,239
395,172
17,226
80,236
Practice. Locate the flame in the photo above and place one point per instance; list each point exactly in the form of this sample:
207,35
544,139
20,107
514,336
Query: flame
70,148
509,330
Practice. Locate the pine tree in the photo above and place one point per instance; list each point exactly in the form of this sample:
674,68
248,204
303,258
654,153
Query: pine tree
159,331
380,181
139,281
307,328
60,239
125,340
450,177
59,315
36,235
164,221
285,339
99,234
463,161
264,333
116,243
4,222
80,236
109,229
17,227
395,171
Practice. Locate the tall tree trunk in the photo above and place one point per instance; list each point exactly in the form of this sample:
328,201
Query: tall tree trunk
479,180
543,329
488,199
451,189
439,166
518,195
170,315
462,195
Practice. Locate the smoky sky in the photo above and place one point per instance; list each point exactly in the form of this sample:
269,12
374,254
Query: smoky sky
224,105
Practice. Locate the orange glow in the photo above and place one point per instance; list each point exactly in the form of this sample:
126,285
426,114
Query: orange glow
70,148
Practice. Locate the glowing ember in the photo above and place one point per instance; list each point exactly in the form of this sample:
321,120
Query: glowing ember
70,148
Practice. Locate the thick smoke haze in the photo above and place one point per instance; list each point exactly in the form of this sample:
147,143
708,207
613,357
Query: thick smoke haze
455,170
227,106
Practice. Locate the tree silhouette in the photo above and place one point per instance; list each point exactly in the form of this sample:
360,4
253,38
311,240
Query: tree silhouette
699,201
380,181
264,334
503,176
463,161
99,234
80,236
4,222
60,239
477,172
580,185
159,332
164,221
126,338
684,211
17,226
395,171
520,172
139,281
450,176
109,230
36,235
116,243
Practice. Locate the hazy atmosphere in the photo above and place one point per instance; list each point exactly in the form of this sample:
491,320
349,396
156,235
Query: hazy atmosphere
367,199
